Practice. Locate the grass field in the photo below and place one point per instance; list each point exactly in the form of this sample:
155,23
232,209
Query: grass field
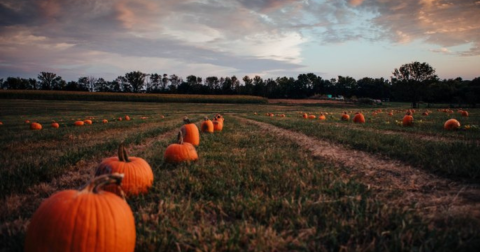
251,189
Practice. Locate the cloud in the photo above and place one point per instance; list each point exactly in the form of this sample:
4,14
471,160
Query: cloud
442,50
440,22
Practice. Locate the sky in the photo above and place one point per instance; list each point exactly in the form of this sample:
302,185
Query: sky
269,38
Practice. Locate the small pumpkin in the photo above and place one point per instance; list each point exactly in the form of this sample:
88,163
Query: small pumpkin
180,151
87,220
312,116
190,132
425,113
120,119
127,118
79,123
407,120
359,118
55,125
322,117
138,173
345,116
464,113
217,124
104,121
35,126
207,126
305,115
87,121
451,124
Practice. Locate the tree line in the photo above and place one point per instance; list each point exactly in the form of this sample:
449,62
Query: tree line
413,82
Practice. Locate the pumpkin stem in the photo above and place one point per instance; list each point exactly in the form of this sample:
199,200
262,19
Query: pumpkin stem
186,120
122,154
180,138
98,182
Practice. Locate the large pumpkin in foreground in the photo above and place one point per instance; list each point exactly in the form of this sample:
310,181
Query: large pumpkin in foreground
407,120
190,132
138,173
87,220
180,152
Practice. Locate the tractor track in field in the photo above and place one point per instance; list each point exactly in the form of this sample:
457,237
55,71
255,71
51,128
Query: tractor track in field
432,196
74,178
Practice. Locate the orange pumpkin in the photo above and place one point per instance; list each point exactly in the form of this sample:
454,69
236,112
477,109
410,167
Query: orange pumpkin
305,115
87,121
190,132
127,118
180,151
87,220
407,120
322,117
35,126
55,125
120,119
104,121
464,113
138,173
27,121
451,124
207,126
217,124
1,123
345,116
312,116
425,113
79,123
359,118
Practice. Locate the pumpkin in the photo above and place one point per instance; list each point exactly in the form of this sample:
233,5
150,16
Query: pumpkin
359,118
465,113
55,125
104,121
425,113
207,126
87,121
311,117
190,132
322,117
217,124
345,116
1,123
27,121
451,124
120,119
180,151
79,123
35,126
407,120
305,115
138,173
127,118
219,117
87,220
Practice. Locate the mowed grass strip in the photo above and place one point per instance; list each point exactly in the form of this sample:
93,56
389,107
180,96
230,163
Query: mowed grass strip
38,156
458,159
252,191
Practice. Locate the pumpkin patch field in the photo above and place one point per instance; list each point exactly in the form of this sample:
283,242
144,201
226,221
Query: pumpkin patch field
272,178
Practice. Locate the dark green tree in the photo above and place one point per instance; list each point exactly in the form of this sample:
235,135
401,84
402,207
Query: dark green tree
410,80
49,81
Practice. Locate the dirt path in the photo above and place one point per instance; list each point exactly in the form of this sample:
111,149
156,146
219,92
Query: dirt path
434,197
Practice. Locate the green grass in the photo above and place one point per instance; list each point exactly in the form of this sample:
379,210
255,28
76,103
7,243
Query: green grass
249,190
455,157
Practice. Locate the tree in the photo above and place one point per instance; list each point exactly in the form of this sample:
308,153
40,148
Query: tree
410,80
136,79
49,81
155,82
89,82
